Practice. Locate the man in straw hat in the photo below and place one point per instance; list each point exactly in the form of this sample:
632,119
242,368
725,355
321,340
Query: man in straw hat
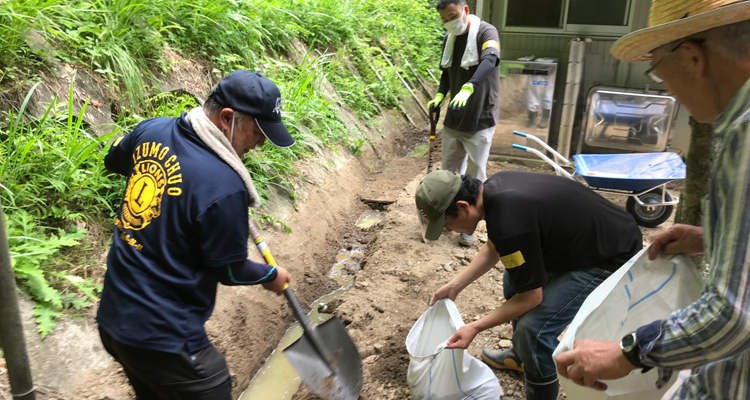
700,50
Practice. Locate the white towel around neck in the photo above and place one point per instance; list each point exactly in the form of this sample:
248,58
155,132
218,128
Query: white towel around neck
471,55
216,141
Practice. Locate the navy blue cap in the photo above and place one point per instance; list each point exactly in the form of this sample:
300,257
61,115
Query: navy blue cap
255,95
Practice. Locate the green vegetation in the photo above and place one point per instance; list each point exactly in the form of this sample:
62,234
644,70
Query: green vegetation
52,178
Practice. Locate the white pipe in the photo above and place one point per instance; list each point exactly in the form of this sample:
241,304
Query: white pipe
479,9
570,99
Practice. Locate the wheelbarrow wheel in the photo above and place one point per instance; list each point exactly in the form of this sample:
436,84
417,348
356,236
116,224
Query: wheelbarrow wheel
650,216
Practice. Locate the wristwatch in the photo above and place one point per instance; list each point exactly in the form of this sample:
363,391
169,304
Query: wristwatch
632,351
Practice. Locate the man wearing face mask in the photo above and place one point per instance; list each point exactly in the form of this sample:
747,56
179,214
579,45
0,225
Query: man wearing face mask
182,228
470,71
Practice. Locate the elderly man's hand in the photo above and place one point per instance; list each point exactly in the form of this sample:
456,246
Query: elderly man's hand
592,360
679,239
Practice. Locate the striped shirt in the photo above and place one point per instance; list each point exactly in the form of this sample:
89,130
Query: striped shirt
712,335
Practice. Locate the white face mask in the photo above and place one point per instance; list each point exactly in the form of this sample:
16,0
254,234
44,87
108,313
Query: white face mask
456,26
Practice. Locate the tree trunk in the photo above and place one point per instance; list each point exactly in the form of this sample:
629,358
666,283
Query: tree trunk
699,162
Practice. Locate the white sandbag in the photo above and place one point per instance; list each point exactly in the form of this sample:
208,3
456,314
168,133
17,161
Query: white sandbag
638,293
437,373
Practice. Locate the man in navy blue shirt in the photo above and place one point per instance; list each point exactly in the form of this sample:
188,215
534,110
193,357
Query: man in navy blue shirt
182,228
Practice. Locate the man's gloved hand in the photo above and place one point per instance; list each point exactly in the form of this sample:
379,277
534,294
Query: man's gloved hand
436,101
459,100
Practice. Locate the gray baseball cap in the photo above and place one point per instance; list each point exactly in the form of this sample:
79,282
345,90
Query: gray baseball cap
434,195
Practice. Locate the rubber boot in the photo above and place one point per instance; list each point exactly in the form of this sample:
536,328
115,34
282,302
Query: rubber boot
506,359
465,240
543,390
544,122
532,119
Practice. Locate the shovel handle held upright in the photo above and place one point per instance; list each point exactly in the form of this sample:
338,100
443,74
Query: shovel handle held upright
434,114
434,118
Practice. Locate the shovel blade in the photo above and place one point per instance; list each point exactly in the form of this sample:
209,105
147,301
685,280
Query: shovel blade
346,381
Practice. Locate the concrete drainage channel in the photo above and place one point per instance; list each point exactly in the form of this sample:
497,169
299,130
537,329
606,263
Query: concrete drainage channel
277,379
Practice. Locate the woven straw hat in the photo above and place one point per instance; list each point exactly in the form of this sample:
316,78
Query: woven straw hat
671,20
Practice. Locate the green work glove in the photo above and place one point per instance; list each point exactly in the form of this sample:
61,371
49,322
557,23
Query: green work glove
436,101
459,100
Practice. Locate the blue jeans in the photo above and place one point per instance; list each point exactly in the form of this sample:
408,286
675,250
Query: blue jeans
535,337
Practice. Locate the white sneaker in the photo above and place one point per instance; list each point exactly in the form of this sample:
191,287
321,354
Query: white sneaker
465,240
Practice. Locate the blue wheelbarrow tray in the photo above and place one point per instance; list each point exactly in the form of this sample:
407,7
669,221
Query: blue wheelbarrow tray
634,173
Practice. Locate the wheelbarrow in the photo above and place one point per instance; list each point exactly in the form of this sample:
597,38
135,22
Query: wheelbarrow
642,177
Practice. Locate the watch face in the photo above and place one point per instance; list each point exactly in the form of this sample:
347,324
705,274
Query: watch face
628,342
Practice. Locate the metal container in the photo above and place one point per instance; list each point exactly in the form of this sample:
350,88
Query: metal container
628,119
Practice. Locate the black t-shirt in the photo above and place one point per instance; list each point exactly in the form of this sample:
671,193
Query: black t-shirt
482,109
184,212
542,223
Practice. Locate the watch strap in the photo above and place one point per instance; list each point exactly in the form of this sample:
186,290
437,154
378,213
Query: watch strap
633,354
633,357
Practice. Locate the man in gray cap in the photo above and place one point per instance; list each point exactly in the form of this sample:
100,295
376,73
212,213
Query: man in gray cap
700,51
182,228
557,240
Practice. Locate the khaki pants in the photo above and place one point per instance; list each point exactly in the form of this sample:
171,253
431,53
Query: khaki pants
467,152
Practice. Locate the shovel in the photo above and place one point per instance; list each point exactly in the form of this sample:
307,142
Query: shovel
325,356
434,118
434,112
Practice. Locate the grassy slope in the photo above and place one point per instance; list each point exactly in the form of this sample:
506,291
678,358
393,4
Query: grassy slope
52,175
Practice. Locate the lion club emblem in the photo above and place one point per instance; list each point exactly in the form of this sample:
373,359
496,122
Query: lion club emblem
143,195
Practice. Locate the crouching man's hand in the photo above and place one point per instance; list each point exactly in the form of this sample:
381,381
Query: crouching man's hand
463,337
450,290
277,285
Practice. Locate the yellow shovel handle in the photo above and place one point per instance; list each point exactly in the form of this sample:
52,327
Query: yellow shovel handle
262,246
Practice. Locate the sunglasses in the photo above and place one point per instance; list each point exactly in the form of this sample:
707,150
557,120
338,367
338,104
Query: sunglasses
651,72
